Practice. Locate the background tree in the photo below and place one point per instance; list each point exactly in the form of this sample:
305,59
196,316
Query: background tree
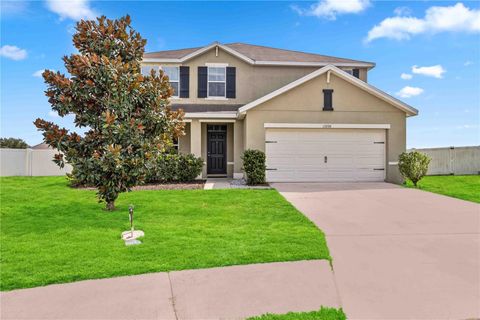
13,143
127,114
413,165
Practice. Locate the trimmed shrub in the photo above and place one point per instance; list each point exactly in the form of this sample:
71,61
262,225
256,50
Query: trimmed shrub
254,166
175,168
413,165
188,167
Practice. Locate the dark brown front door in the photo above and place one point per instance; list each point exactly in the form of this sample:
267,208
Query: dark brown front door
216,149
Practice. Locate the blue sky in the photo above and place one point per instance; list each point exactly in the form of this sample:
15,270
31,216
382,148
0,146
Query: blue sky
435,45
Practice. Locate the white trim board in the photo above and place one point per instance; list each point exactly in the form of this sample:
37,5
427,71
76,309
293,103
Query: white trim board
324,126
217,120
409,110
314,64
210,115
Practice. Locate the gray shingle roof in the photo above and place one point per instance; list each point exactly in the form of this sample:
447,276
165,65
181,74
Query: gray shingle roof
260,53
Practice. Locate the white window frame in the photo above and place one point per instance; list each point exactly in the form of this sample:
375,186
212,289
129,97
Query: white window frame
177,145
217,65
177,96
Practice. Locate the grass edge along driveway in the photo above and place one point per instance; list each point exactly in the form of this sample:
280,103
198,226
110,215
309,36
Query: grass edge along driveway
51,233
322,314
460,187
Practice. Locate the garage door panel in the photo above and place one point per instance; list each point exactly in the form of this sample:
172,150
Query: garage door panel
372,161
299,155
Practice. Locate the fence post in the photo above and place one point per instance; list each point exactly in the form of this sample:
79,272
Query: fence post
28,162
452,160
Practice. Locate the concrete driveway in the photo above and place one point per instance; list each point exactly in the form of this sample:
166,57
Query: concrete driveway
397,253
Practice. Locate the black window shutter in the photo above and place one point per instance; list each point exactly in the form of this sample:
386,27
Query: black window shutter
231,74
184,82
327,100
356,73
202,82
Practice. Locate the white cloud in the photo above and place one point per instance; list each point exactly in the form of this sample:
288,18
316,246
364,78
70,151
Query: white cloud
407,92
53,114
457,18
72,9
406,76
467,126
38,73
435,71
467,63
402,11
329,9
13,52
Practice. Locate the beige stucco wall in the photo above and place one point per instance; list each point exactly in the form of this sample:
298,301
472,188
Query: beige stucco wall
351,105
252,82
184,141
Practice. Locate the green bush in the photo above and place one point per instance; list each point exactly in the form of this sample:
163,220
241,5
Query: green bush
175,168
13,143
254,166
413,165
189,167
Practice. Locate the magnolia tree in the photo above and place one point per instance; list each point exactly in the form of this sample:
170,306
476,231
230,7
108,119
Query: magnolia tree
125,113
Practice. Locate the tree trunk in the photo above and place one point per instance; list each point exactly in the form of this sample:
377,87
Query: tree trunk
110,205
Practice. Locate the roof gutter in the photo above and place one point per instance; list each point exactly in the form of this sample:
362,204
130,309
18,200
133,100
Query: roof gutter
276,63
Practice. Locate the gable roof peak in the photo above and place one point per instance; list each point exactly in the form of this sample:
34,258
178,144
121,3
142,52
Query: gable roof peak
409,110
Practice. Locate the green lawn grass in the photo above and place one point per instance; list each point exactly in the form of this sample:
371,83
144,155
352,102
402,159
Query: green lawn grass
461,187
322,314
51,233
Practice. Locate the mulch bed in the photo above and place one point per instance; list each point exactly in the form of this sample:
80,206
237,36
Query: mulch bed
197,184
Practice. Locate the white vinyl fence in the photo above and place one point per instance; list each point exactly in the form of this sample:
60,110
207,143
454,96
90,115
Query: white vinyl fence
30,162
453,160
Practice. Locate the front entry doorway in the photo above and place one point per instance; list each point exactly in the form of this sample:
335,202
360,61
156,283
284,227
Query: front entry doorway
216,149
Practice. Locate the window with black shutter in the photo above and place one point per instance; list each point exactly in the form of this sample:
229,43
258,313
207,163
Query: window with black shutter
184,82
327,100
202,82
231,82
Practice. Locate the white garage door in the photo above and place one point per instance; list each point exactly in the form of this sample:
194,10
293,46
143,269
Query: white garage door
325,155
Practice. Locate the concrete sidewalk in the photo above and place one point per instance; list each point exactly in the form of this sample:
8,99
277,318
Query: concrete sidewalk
398,253
219,293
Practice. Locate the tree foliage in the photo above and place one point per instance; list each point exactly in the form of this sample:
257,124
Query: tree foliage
413,165
126,114
13,143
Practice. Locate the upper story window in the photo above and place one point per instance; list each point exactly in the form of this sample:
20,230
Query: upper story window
353,72
146,69
173,74
216,81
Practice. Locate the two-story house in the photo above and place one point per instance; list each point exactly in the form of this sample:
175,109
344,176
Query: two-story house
315,116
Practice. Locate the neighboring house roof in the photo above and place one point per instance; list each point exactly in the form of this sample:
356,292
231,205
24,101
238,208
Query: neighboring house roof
41,146
258,55
409,110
